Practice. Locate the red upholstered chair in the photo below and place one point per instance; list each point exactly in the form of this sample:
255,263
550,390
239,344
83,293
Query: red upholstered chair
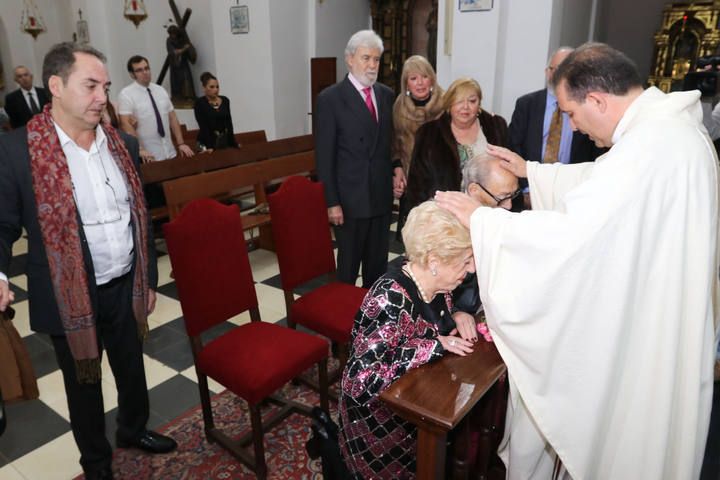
214,282
304,250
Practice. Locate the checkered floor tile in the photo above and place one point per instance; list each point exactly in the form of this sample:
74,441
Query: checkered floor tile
38,443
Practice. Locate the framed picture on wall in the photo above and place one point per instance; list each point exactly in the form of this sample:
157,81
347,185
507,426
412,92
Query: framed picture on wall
475,5
239,19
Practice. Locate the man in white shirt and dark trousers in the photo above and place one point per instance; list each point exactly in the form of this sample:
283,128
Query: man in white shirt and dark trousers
147,113
72,184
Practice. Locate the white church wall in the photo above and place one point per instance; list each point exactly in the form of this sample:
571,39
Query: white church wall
291,66
506,49
21,48
335,22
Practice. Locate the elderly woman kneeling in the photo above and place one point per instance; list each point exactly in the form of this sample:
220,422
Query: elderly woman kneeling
396,330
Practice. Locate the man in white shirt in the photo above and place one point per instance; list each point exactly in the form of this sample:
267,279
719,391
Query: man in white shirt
602,300
26,101
72,184
153,113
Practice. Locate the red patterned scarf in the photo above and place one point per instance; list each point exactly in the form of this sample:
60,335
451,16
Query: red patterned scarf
59,224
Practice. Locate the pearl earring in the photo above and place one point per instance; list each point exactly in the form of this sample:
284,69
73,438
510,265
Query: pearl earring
407,93
433,271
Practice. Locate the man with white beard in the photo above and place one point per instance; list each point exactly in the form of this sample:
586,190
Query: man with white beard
352,148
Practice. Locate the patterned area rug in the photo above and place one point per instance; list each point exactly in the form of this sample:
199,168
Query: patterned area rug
197,459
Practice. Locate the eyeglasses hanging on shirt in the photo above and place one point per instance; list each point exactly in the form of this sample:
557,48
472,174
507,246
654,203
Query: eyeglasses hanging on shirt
91,213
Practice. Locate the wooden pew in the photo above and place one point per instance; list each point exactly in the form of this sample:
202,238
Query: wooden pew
242,138
180,191
158,172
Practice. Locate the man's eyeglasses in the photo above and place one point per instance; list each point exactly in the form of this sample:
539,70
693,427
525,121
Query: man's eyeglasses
142,69
500,200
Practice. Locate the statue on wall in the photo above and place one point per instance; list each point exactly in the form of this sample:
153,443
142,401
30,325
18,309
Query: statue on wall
181,54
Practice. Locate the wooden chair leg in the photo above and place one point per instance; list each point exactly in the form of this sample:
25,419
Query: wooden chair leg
206,405
256,422
343,351
289,299
323,384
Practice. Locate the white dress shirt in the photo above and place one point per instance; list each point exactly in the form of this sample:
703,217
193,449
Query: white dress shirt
134,100
103,203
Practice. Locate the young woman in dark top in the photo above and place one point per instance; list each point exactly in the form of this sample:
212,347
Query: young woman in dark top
212,113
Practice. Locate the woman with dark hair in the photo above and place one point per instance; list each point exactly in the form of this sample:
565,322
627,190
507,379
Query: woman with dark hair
212,112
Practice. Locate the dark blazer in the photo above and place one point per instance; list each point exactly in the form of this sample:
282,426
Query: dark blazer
17,108
352,150
435,163
526,132
18,209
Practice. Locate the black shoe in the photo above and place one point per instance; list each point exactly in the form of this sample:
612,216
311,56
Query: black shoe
102,474
149,441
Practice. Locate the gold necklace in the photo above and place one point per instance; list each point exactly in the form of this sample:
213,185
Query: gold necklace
420,289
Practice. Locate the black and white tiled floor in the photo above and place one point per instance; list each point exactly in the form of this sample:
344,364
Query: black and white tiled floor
38,443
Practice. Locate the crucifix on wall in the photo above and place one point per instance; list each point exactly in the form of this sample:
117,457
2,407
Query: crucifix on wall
181,53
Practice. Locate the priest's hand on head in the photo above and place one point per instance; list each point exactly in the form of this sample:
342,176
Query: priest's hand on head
513,162
6,295
459,204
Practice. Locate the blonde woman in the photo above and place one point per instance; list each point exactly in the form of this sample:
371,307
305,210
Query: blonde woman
397,330
443,146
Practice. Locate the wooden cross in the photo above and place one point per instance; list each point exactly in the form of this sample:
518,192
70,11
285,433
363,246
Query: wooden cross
181,22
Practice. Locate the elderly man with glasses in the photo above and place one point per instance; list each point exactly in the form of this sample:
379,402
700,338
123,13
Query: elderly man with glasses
487,182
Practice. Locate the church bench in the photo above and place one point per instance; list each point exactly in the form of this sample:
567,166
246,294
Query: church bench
159,172
254,175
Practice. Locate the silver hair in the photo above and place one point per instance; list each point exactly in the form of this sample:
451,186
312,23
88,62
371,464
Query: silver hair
476,170
561,49
363,38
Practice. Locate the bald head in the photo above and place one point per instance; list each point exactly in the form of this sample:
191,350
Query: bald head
488,182
23,77
554,61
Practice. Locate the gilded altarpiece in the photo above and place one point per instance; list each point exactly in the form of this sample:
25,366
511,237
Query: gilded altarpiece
689,31
407,27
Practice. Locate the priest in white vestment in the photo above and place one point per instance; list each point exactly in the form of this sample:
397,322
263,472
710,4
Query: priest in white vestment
602,300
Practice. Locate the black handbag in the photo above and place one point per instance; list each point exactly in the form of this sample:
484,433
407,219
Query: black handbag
325,444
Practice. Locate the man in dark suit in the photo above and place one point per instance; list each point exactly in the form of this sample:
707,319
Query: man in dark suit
352,148
73,185
531,123
26,101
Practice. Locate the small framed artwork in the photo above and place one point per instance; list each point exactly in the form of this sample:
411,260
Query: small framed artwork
239,19
475,5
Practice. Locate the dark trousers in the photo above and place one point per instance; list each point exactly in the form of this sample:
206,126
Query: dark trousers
366,241
118,335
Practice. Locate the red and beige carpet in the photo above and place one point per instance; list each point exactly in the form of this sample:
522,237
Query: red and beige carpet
197,459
